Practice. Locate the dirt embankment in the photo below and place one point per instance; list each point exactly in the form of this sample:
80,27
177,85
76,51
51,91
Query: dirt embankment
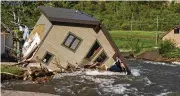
23,93
155,56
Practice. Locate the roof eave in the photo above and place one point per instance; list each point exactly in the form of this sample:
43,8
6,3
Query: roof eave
75,21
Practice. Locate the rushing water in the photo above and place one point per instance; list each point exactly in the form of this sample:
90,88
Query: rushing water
147,79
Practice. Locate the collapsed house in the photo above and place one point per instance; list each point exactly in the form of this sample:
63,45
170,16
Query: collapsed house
67,36
173,35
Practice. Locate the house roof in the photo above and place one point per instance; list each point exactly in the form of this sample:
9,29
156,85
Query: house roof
177,26
78,17
67,15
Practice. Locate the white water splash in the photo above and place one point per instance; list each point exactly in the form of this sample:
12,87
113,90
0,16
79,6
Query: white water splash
76,73
160,63
63,89
164,94
98,80
108,86
88,72
135,72
148,82
118,88
96,72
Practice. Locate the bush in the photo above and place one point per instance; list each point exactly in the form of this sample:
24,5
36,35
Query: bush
167,46
168,49
173,54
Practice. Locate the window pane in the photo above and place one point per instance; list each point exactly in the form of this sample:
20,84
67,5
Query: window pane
47,57
75,44
69,40
176,30
94,50
102,57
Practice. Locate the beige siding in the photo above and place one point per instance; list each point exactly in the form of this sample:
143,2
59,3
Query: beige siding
105,44
56,37
44,20
174,37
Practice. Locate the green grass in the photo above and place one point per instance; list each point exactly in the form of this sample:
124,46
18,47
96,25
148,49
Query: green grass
11,69
128,39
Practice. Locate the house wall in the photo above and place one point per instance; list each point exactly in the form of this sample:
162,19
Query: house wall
44,20
31,46
174,37
56,37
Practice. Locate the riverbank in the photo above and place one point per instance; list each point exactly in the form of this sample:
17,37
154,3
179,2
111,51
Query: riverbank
23,93
20,72
152,55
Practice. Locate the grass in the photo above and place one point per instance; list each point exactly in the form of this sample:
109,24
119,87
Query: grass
142,41
128,39
136,41
11,69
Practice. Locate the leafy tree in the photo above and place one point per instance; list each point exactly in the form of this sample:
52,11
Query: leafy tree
115,15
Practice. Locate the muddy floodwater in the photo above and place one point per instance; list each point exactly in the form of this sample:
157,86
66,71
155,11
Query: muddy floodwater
147,79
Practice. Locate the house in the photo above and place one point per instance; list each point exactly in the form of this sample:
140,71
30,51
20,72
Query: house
67,36
6,39
173,35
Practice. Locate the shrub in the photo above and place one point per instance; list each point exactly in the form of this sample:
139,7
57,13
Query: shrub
172,54
166,46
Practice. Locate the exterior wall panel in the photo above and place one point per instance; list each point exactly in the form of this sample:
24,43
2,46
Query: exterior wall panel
57,35
44,20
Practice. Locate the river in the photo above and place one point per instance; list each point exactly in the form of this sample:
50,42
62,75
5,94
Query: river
147,79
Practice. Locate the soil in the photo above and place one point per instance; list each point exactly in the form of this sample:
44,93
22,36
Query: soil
23,93
155,56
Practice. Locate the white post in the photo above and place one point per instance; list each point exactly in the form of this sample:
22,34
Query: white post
157,32
131,21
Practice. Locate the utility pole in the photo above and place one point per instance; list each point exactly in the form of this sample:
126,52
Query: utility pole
131,21
157,31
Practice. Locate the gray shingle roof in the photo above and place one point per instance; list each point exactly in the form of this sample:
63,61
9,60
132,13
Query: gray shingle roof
67,15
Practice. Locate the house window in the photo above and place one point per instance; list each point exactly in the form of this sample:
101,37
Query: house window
94,50
72,42
47,57
101,58
176,30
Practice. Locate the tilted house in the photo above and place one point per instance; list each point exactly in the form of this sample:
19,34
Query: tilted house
173,35
69,36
